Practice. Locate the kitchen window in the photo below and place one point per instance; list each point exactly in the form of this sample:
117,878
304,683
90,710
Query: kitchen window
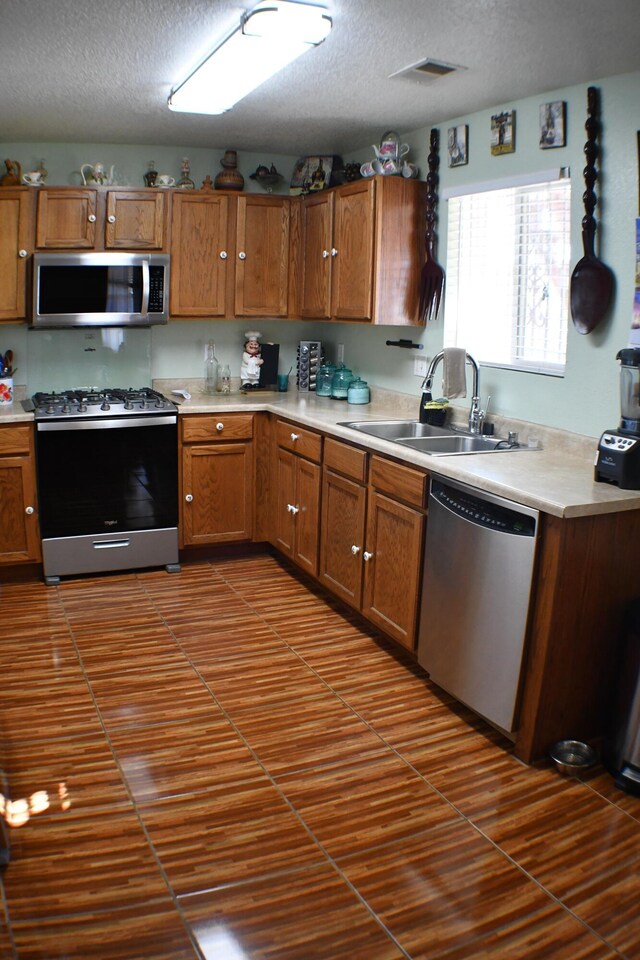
508,271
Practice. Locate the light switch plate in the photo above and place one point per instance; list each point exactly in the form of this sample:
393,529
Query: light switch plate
419,366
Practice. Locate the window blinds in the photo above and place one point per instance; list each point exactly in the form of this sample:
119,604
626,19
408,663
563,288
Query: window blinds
508,270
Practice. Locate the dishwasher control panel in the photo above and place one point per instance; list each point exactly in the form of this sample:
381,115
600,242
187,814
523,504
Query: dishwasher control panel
494,516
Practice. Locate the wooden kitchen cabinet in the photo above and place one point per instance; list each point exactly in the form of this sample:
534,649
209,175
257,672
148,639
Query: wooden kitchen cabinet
16,243
216,479
201,255
372,537
297,502
93,219
19,535
262,256
363,250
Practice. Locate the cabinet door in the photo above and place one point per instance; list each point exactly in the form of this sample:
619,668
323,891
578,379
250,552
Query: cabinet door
285,498
16,221
392,567
352,251
342,536
308,517
66,219
135,220
219,481
262,256
200,255
19,537
317,229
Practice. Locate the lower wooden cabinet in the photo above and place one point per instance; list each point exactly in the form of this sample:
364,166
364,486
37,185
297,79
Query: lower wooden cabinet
297,500
19,535
216,479
371,541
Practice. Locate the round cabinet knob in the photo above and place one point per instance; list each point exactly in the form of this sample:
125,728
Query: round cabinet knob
91,218
223,254
29,510
355,550
366,555
111,218
294,437
242,255
189,498
325,254
334,252
220,427
22,253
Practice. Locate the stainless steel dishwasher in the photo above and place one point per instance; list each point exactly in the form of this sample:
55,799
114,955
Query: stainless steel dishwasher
479,556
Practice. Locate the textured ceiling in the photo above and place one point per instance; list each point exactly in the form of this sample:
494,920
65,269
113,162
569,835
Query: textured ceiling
90,72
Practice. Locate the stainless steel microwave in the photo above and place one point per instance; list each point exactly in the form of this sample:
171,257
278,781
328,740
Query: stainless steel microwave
109,289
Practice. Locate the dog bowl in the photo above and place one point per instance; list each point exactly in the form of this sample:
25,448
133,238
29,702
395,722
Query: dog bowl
572,757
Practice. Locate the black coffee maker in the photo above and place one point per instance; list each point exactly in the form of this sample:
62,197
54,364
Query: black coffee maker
618,457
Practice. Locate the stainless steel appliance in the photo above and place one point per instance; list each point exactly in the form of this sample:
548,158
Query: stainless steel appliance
107,470
109,289
478,567
622,746
618,456
309,360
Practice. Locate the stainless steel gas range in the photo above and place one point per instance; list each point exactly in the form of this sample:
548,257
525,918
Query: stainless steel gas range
107,468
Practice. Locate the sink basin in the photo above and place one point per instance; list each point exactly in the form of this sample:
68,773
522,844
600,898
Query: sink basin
439,446
435,441
396,429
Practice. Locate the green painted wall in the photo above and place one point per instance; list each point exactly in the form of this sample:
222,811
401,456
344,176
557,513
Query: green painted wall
584,401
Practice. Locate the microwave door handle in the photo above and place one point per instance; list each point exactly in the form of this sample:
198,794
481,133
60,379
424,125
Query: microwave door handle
144,306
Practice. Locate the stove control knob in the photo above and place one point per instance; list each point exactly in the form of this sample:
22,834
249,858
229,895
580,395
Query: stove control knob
143,404
128,405
66,408
50,408
82,408
105,406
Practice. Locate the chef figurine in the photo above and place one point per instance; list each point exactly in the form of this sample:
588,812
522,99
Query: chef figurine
251,360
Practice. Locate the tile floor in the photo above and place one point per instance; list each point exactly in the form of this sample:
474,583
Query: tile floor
238,769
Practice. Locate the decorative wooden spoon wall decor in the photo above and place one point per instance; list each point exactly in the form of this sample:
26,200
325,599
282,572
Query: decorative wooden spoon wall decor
592,281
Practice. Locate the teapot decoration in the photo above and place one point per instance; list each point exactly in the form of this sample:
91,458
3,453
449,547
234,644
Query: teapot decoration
13,176
96,174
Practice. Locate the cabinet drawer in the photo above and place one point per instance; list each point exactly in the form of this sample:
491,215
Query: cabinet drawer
403,483
350,461
15,439
223,426
303,442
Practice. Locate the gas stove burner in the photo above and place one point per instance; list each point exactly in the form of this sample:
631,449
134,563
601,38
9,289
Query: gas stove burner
91,402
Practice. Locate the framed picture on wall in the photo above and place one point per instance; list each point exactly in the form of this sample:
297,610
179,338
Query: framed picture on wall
457,145
552,124
311,174
503,133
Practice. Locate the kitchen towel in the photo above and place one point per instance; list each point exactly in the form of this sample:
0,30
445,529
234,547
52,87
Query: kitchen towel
454,379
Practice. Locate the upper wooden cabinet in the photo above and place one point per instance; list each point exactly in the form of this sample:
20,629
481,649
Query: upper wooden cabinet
201,254
16,243
262,256
363,250
91,219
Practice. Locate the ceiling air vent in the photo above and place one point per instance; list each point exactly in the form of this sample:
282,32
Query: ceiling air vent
426,71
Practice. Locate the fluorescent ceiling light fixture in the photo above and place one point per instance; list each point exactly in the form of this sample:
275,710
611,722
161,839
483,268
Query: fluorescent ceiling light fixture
269,37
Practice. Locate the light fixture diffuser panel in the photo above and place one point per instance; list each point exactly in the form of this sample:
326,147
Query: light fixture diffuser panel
269,38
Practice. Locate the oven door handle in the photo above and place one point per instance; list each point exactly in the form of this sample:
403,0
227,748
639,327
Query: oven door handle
146,286
107,423
110,544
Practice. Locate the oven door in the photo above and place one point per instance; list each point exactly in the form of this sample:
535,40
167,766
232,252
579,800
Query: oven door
107,476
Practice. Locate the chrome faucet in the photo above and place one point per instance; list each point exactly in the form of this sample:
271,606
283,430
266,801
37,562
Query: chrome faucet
476,415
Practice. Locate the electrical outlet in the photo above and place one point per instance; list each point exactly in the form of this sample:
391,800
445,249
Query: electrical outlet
419,366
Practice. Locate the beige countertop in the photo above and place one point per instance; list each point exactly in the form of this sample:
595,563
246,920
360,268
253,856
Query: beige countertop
557,479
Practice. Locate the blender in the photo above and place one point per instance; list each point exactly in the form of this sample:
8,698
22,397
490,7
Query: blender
618,457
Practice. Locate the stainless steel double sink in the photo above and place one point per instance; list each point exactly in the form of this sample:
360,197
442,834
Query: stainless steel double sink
435,441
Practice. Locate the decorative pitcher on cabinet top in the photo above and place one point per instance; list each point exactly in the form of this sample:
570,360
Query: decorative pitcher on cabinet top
96,173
